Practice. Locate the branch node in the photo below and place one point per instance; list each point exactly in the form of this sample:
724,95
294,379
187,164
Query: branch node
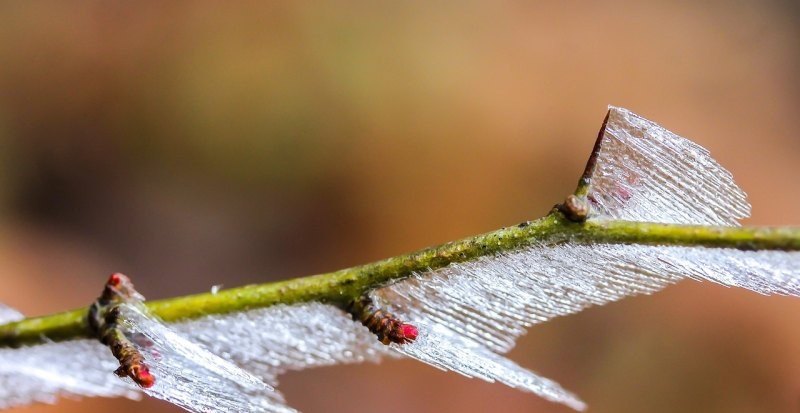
382,323
575,208
103,319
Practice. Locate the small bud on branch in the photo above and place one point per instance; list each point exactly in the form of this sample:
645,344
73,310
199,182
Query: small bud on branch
104,317
382,323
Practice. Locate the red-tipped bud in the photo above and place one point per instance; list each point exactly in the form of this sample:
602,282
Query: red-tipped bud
383,324
115,279
409,332
142,376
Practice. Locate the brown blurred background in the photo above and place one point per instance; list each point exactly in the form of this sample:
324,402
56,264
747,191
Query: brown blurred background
192,144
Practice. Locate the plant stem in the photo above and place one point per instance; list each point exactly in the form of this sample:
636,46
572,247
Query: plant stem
341,286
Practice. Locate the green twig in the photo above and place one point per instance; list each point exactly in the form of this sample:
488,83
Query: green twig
342,286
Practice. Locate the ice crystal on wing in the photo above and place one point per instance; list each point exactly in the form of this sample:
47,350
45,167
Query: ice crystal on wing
271,341
186,374
493,300
765,272
192,377
312,335
478,309
644,172
43,373
446,349
46,372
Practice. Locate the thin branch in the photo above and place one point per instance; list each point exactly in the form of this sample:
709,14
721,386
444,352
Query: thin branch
342,286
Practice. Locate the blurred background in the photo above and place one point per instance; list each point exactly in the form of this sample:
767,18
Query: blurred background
189,144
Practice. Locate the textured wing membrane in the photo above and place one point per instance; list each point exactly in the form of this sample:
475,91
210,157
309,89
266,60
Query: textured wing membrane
192,377
186,374
494,300
43,373
449,350
313,335
274,340
643,172
468,315
490,302
46,372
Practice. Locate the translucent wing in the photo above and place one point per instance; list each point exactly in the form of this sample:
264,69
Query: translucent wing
471,313
448,349
190,376
313,335
186,374
271,341
643,172
45,372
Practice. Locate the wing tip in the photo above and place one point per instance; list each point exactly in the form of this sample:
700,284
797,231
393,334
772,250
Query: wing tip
641,171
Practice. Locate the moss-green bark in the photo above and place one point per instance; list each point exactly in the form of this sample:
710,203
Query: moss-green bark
343,285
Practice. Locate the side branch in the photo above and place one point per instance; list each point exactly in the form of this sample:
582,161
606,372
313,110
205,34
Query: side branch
343,286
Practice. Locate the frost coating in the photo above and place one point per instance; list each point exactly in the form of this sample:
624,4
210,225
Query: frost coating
271,341
43,373
186,374
46,372
467,313
470,313
493,300
314,335
190,376
479,309
646,173
441,347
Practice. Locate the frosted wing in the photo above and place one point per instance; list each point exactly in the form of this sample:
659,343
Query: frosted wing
764,272
446,349
643,172
470,313
43,373
477,310
192,377
271,341
186,374
493,300
46,372
312,335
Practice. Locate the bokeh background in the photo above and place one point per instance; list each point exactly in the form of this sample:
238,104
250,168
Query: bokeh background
190,144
